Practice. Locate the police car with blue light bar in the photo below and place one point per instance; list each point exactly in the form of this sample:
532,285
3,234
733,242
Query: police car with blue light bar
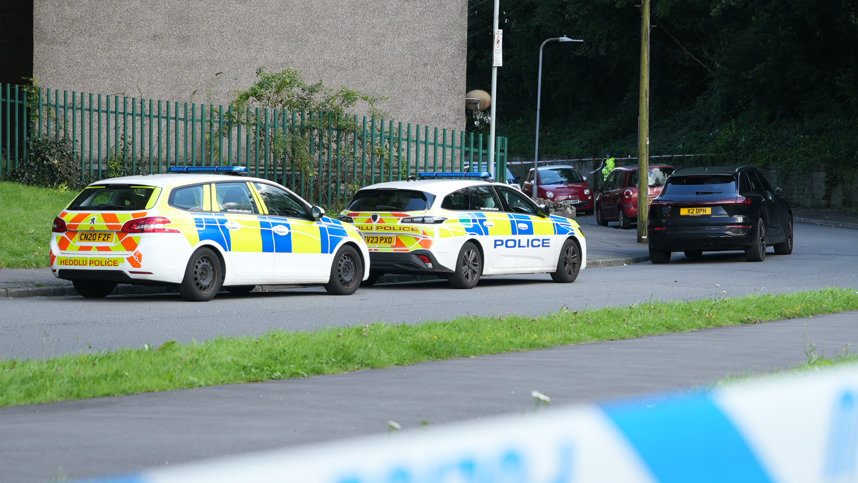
462,226
202,231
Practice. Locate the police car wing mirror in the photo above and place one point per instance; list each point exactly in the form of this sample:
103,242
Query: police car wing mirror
317,212
543,211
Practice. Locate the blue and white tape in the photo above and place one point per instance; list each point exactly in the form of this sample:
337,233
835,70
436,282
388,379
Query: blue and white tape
788,429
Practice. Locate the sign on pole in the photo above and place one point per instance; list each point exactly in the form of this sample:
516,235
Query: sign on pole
498,57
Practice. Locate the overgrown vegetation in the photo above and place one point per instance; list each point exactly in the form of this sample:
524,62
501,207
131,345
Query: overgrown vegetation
282,355
25,222
755,81
318,126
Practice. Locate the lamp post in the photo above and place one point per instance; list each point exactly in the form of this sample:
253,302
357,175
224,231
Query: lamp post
539,102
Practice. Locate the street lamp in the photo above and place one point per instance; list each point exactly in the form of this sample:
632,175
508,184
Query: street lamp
539,101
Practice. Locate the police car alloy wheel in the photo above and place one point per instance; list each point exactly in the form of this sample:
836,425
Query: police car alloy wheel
569,264
469,267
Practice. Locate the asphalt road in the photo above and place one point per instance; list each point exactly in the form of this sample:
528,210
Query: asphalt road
97,437
43,327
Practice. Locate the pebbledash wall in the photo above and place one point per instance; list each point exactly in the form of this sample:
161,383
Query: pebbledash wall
413,51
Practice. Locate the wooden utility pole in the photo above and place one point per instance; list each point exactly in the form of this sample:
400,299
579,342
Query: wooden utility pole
643,127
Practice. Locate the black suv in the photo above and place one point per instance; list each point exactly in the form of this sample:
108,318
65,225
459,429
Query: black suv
719,208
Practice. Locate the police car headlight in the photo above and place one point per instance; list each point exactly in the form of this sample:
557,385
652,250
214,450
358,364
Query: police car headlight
586,192
549,194
427,220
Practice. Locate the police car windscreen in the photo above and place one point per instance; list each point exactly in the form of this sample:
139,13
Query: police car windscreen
391,200
112,198
700,185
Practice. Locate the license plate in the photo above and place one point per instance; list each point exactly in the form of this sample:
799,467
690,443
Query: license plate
695,211
95,237
379,240
570,202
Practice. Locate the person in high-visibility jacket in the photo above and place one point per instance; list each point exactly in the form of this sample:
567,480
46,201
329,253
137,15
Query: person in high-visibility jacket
609,165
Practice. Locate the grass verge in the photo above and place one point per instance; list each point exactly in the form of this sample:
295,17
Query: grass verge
25,222
282,355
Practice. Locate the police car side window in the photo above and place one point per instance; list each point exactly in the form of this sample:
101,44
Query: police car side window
279,202
235,198
484,198
189,198
457,200
517,202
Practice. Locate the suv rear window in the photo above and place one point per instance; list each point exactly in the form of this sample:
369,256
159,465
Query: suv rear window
112,197
700,185
391,200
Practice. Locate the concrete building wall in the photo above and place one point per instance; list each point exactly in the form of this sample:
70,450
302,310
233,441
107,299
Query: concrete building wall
413,51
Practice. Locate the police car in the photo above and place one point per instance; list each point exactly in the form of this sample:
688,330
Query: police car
202,231
462,228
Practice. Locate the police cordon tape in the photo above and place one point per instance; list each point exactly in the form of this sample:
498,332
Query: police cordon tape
786,429
575,160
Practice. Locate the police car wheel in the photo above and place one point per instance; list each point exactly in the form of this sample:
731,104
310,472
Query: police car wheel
203,276
240,289
93,290
569,263
346,272
469,267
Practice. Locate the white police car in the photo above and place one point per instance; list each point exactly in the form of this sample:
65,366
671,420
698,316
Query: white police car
463,228
202,231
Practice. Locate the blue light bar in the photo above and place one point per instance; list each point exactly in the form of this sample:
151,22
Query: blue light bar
208,169
481,175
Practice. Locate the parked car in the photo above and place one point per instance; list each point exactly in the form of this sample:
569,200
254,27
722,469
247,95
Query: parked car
463,226
618,196
202,232
563,184
719,208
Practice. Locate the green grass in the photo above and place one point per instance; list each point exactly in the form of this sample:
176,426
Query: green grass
814,362
282,355
26,215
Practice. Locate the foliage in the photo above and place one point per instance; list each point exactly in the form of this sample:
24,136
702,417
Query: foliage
313,113
282,355
25,222
49,163
759,82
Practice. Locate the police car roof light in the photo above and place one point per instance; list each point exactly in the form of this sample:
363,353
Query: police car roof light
481,175
209,169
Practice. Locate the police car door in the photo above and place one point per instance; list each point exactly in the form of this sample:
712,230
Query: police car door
487,210
299,251
240,224
533,234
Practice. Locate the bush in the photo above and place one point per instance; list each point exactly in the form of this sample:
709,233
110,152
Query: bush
49,164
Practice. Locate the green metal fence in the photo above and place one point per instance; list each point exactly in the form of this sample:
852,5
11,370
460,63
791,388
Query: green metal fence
323,158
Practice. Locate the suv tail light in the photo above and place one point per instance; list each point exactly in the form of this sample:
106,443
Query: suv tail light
627,194
59,225
150,224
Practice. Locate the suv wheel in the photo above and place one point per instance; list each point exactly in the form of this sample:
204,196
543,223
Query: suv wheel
659,256
625,222
785,248
757,251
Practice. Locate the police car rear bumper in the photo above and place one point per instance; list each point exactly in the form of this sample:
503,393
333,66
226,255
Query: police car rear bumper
117,276
405,262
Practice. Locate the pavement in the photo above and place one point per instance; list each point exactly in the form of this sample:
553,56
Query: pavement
88,438
606,247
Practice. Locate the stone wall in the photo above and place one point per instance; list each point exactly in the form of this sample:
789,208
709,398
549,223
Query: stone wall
413,51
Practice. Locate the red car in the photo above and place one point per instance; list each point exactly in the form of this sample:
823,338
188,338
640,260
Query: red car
563,184
618,196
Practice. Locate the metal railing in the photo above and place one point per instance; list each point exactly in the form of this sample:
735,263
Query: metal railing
323,158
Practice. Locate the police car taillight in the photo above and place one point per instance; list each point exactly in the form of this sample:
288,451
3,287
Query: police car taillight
426,260
59,225
428,220
150,224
